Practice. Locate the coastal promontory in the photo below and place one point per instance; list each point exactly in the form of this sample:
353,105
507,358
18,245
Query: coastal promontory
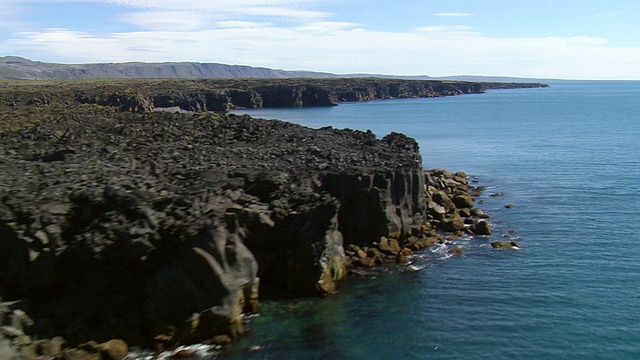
118,221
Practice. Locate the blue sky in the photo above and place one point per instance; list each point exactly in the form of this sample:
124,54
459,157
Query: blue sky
572,39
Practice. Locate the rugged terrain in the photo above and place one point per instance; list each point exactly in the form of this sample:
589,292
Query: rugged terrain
118,221
30,101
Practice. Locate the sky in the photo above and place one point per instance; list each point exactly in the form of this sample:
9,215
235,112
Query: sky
566,39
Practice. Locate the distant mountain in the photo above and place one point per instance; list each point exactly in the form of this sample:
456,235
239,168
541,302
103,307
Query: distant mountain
18,68
482,78
13,67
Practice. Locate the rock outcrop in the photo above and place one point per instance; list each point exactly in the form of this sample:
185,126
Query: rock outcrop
223,94
156,225
161,227
449,213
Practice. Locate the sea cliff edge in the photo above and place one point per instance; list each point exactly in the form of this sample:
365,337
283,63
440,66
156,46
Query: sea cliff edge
160,227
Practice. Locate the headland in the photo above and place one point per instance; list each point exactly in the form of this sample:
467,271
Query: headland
163,227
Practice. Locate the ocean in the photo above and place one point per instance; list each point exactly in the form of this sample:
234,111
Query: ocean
567,158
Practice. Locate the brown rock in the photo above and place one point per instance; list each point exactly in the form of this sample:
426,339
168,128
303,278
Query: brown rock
401,258
365,262
463,201
482,228
49,348
460,177
182,353
114,349
442,199
456,251
373,253
78,354
452,223
465,213
477,212
111,350
389,246
438,212
505,245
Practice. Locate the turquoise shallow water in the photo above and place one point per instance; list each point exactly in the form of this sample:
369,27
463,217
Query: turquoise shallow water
567,157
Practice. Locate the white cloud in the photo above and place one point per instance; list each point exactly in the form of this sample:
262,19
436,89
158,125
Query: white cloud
9,16
168,20
454,14
241,24
346,48
250,32
326,26
185,15
454,31
609,14
189,5
284,12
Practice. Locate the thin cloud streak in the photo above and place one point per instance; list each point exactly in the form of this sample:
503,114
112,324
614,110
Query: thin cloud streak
184,5
168,20
454,14
454,31
609,14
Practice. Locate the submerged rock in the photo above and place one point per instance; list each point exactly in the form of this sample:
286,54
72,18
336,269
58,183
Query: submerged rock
505,245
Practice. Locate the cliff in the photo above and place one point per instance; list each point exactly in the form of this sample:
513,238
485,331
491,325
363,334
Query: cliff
118,221
220,95
162,225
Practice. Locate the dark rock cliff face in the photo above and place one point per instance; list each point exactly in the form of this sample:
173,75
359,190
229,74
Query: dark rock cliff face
374,90
294,96
220,95
206,100
161,225
381,203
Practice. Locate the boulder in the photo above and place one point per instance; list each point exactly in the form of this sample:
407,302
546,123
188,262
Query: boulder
463,201
477,212
505,245
389,246
49,348
401,258
443,199
482,228
436,211
460,177
111,350
452,223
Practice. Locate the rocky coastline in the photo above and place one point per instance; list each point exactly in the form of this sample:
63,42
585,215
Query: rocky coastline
143,95
163,228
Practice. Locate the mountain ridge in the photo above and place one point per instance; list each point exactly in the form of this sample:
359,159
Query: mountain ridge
19,68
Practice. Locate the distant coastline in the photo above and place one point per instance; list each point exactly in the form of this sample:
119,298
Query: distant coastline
18,68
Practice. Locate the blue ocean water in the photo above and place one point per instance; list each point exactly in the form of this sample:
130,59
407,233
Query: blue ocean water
568,159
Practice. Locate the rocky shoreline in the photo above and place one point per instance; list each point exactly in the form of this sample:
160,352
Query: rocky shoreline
450,213
164,228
